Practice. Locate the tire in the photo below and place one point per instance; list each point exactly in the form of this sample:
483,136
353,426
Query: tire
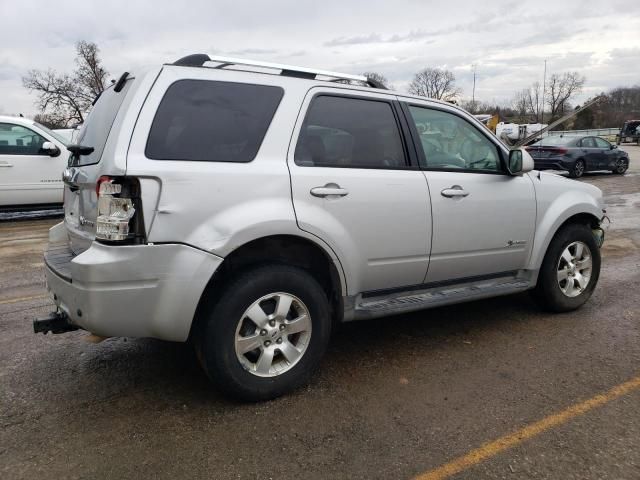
227,329
578,169
557,295
621,167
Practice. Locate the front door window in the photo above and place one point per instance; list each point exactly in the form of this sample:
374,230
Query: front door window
19,140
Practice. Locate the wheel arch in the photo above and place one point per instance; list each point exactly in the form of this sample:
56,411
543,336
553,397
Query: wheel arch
285,249
577,215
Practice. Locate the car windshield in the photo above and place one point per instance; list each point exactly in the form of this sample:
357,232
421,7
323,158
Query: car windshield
553,141
55,135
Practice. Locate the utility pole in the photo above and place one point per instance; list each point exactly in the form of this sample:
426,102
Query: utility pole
473,95
544,89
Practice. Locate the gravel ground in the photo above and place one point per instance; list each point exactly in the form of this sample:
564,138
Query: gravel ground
395,397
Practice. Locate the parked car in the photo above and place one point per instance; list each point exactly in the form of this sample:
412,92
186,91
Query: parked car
629,133
32,159
578,155
249,212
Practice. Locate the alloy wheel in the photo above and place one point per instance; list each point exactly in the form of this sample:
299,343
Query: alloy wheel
574,269
273,334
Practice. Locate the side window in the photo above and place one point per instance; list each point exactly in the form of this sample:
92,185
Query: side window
601,143
588,143
350,132
451,142
204,120
19,140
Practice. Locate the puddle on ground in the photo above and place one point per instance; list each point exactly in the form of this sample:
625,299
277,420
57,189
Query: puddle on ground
624,211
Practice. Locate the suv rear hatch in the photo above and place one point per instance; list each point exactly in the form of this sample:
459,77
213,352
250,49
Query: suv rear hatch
84,171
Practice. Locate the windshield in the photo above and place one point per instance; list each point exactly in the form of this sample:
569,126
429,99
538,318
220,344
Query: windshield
57,136
553,141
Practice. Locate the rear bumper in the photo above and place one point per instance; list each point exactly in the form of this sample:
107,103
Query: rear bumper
133,291
552,163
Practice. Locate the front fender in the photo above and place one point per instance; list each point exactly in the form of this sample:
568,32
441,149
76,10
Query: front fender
552,214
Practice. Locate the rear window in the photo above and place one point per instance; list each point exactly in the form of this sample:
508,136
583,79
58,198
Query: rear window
204,120
553,140
96,127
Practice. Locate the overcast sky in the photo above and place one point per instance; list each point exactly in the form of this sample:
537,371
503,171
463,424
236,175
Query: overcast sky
508,41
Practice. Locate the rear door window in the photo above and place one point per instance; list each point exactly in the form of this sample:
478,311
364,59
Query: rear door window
588,143
211,121
350,132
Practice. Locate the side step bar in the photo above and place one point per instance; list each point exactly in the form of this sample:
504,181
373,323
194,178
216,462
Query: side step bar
366,308
56,322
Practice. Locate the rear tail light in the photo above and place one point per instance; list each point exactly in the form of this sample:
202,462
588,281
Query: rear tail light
560,151
116,210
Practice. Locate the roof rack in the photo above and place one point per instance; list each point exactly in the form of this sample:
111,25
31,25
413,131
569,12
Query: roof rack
200,59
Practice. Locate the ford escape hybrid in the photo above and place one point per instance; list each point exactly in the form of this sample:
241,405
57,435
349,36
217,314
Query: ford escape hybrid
249,207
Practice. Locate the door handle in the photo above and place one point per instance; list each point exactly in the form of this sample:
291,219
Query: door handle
6,164
454,191
330,189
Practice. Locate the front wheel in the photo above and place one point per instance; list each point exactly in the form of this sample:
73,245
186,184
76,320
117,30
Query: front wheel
578,169
266,334
569,271
620,167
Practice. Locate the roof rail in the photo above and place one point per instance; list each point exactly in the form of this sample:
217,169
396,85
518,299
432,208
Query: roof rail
200,59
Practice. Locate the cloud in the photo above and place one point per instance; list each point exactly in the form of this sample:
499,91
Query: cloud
253,51
507,41
355,40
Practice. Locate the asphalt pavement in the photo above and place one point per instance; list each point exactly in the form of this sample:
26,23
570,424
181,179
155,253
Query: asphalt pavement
493,389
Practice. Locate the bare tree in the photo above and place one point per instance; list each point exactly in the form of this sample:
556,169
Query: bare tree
435,83
520,102
560,91
535,106
49,121
65,99
90,71
528,103
379,78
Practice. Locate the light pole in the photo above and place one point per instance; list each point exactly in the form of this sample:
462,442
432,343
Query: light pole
473,95
544,89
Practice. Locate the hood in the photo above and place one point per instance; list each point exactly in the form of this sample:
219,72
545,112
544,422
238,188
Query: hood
553,182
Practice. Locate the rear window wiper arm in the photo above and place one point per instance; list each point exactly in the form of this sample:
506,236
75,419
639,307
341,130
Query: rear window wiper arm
80,149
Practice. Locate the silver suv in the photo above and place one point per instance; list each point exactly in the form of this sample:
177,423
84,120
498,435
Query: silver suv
249,207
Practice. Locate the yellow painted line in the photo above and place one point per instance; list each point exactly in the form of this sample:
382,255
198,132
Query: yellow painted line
22,299
495,447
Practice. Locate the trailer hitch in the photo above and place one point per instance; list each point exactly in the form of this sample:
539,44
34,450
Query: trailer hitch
56,322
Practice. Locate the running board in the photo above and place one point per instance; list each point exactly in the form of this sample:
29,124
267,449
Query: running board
403,302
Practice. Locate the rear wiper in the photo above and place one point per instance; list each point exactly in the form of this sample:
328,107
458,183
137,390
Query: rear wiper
80,149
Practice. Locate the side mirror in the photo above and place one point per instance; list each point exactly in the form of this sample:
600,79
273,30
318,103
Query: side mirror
50,149
519,162
613,147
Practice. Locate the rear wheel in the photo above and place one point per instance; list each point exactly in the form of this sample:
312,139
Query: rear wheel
578,169
569,271
266,334
620,167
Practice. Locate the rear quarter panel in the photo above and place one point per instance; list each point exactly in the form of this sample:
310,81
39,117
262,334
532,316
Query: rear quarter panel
220,206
